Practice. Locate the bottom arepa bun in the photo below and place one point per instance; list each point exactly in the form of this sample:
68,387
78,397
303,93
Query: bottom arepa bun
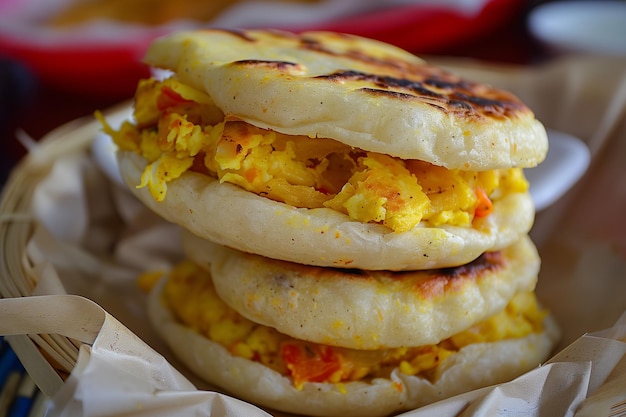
229,364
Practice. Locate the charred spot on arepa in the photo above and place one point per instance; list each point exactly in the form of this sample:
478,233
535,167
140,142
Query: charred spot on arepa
487,262
355,54
394,94
243,34
431,284
283,66
446,280
442,90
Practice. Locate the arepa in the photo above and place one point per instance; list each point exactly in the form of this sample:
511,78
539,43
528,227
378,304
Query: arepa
362,309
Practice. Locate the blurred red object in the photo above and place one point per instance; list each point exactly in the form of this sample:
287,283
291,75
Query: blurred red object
108,71
430,29
111,69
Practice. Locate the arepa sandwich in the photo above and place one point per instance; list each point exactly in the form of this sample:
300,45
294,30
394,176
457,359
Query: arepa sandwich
329,150
320,341
356,220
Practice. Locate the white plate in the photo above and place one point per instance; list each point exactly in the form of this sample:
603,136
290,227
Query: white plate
581,26
566,162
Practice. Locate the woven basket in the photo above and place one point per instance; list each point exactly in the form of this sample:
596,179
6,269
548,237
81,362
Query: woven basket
48,358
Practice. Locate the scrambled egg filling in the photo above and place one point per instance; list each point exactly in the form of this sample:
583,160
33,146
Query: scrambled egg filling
191,296
179,129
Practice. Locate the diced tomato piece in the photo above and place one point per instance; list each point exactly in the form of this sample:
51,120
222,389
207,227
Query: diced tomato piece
307,364
484,206
169,98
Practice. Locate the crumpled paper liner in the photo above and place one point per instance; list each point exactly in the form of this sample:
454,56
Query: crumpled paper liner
118,374
555,389
95,239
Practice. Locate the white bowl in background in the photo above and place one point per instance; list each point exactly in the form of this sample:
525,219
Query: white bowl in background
597,27
567,160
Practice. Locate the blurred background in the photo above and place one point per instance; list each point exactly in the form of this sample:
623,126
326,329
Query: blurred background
63,59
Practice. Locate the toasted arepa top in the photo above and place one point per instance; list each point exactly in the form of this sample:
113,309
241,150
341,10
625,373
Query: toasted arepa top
364,93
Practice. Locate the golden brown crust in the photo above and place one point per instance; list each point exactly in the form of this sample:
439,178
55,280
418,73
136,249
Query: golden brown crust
444,91
404,80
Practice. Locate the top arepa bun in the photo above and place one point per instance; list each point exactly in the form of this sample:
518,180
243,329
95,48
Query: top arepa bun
364,93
